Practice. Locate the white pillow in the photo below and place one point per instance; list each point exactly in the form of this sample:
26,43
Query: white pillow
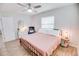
55,32
42,31
23,33
49,31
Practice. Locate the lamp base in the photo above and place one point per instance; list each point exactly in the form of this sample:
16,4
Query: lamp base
64,43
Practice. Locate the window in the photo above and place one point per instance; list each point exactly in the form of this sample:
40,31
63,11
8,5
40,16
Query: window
47,22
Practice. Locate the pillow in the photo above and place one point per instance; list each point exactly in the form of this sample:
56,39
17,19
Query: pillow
23,33
42,30
49,31
55,32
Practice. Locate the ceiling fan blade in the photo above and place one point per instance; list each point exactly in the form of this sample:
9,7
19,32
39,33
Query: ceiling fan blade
21,5
38,6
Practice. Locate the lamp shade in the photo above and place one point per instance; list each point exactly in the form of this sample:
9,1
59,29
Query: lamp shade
65,35
22,29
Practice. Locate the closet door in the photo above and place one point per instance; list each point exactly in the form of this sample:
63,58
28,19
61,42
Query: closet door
1,42
8,28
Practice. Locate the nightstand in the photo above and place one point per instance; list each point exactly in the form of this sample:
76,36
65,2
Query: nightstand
64,42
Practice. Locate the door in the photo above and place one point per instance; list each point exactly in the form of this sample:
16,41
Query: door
8,28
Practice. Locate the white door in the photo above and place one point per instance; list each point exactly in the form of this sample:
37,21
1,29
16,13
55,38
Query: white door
8,28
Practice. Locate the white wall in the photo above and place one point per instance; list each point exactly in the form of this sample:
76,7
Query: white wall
65,17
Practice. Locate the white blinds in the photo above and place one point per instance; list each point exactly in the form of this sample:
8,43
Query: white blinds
47,22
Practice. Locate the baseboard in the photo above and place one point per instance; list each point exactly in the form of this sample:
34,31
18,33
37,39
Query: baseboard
8,40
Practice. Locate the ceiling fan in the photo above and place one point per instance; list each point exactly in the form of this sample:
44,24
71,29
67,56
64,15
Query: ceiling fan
29,7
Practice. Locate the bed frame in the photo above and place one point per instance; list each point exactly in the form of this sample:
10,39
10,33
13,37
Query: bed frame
33,49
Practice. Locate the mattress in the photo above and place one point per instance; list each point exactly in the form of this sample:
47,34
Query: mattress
44,43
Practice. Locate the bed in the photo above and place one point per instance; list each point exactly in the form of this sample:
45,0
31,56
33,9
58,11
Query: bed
40,43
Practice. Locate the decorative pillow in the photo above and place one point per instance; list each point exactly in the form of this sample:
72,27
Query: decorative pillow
49,31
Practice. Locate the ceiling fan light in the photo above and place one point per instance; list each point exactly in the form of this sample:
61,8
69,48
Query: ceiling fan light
30,10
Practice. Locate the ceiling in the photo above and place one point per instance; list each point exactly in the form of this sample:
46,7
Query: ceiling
14,8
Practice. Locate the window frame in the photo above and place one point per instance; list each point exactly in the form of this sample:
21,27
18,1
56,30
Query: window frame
50,24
